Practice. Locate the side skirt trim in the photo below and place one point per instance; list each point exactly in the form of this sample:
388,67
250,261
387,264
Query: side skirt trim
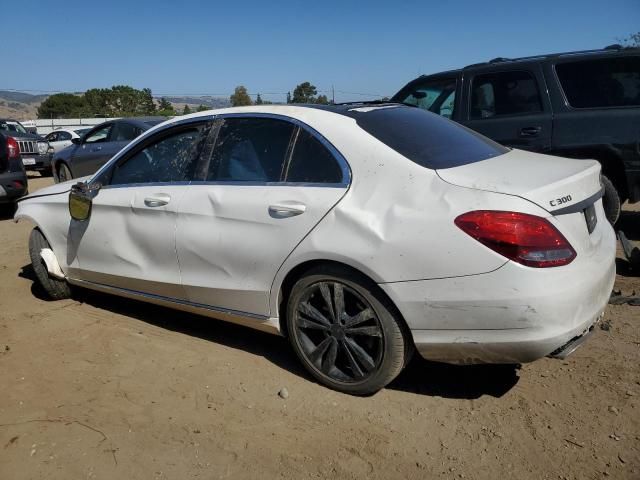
258,322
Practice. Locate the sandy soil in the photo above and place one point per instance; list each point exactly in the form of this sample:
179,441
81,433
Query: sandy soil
99,387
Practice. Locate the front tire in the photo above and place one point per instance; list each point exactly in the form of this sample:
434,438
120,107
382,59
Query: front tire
345,331
56,289
611,201
64,173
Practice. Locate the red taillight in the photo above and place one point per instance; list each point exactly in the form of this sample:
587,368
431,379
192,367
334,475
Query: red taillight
13,149
520,237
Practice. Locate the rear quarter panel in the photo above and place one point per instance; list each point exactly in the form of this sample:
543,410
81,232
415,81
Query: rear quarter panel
396,222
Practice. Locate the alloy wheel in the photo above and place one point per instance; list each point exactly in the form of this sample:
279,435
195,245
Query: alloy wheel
339,332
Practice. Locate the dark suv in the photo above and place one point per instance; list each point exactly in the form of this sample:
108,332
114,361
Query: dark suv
35,150
13,178
578,104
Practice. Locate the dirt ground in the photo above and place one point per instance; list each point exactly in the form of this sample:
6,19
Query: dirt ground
100,387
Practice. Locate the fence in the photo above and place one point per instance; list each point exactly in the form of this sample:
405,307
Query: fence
45,126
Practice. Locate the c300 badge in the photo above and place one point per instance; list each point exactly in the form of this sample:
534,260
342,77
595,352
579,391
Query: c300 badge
559,201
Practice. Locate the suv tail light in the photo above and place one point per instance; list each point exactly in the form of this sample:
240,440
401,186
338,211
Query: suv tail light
523,238
13,149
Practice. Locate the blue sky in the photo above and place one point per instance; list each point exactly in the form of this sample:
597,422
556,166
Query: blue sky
370,47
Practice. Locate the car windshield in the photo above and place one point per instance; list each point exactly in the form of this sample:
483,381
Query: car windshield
425,138
11,126
153,123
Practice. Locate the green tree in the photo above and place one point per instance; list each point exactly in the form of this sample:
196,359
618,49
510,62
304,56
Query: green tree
165,108
98,102
202,108
322,99
240,97
147,105
63,105
186,110
258,100
304,93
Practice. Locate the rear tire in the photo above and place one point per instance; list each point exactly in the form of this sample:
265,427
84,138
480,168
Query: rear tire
611,201
345,332
56,289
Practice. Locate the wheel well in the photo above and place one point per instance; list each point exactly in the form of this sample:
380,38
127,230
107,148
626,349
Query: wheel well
300,270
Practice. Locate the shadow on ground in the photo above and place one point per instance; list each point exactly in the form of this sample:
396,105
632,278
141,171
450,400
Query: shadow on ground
419,377
629,223
456,381
7,211
36,289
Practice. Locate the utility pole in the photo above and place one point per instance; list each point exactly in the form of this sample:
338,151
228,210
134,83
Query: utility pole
333,95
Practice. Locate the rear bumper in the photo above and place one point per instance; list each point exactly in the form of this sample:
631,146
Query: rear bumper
514,314
12,186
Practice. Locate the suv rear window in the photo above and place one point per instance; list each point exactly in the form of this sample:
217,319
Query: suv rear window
426,138
606,82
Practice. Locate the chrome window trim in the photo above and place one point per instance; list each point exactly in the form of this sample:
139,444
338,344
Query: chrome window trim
240,183
342,162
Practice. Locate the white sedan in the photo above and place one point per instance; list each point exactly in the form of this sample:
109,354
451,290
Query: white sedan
361,232
63,137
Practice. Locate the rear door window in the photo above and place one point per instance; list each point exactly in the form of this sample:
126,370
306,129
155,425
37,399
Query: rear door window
250,150
312,162
504,93
605,82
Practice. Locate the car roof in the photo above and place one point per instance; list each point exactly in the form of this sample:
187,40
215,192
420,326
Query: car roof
607,51
296,110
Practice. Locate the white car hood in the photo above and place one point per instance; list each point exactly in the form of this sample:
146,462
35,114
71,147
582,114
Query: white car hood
550,182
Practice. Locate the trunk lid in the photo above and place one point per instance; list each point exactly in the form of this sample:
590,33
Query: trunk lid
568,189
553,183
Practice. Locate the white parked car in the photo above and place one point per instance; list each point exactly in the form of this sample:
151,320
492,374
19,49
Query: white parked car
63,137
361,232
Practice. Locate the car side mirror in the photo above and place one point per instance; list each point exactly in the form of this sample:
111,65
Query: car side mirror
80,199
76,141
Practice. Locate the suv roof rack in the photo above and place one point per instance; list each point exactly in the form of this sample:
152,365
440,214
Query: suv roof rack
608,48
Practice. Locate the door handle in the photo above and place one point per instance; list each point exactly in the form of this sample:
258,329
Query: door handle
159,200
530,131
286,209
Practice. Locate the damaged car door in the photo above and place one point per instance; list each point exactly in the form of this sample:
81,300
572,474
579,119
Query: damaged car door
129,239
265,186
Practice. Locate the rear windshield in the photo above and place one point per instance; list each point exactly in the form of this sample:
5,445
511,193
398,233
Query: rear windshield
606,82
426,138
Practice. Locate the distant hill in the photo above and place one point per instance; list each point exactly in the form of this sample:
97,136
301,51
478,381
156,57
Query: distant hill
24,106
213,102
19,105
21,97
